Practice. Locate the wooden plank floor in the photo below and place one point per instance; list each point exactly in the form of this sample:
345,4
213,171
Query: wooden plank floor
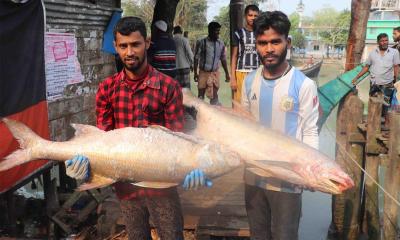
218,211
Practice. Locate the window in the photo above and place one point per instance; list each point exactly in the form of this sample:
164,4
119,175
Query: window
316,47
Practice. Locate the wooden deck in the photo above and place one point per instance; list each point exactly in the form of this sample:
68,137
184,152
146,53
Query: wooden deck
217,211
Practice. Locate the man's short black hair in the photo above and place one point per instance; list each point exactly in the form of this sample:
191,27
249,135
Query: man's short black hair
128,25
213,25
251,7
177,29
397,29
381,35
276,20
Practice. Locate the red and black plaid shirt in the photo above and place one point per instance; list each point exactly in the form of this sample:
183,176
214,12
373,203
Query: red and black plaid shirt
156,101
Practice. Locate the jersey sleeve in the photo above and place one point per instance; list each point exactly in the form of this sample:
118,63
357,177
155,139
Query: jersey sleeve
308,111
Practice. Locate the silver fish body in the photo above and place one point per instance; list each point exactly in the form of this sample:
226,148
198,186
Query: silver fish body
285,158
154,154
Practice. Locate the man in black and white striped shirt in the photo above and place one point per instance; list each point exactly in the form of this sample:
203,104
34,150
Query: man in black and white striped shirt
244,57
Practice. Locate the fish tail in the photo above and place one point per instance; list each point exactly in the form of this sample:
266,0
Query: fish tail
26,139
14,159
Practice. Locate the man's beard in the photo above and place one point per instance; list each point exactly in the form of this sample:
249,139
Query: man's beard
136,67
273,66
383,47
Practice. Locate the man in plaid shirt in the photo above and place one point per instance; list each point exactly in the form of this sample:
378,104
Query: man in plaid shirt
140,96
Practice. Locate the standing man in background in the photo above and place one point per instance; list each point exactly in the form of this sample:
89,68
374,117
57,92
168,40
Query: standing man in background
383,64
209,51
396,38
184,58
282,98
244,57
162,51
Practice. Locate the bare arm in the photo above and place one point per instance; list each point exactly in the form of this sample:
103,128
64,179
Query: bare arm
396,72
363,71
225,66
196,61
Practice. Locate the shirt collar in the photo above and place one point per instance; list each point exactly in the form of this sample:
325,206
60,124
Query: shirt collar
152,80
377,50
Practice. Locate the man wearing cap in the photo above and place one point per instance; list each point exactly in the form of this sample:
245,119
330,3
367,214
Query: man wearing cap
162,51
209,51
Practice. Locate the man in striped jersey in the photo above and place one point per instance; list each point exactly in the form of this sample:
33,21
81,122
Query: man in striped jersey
283,98
162,51
244,57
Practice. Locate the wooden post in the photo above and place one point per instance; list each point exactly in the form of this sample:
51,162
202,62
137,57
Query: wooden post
347,206
236,14
12,219
392,178
372,159
164,10
355,46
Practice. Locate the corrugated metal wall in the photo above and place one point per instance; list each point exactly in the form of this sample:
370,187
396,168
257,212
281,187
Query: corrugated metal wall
87,19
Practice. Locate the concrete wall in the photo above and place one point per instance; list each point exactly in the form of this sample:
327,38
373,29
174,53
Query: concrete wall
88,22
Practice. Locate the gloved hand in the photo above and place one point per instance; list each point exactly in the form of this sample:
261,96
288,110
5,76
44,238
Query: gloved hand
195,179
78,167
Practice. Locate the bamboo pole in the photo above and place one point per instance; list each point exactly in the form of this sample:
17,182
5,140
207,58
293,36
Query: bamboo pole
392,178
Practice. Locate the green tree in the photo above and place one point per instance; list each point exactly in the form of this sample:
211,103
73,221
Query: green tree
298,39
192,16
333,26
139,8
223,19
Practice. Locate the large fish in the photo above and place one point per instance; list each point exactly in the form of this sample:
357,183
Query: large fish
150,157
286,158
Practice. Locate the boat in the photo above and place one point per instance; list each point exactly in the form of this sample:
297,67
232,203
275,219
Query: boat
312,70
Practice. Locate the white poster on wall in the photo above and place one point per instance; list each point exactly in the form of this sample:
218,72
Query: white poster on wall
61,64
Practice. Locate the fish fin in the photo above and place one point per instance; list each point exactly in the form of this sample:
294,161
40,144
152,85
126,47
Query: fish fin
96,181
82,129
178,134
26,139
23,134
155,184
14,159
260,172
266,164
238,110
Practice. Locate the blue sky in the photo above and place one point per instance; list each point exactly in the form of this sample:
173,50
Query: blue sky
287,6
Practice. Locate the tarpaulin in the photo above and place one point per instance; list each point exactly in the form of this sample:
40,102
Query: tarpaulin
108,45
22,80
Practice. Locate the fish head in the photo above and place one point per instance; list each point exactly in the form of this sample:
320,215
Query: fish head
325,176
216,160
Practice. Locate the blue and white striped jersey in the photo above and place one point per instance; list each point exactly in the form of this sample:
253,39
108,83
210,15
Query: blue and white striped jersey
289,105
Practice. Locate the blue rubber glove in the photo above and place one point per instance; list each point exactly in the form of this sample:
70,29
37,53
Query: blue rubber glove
195,179
78,167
